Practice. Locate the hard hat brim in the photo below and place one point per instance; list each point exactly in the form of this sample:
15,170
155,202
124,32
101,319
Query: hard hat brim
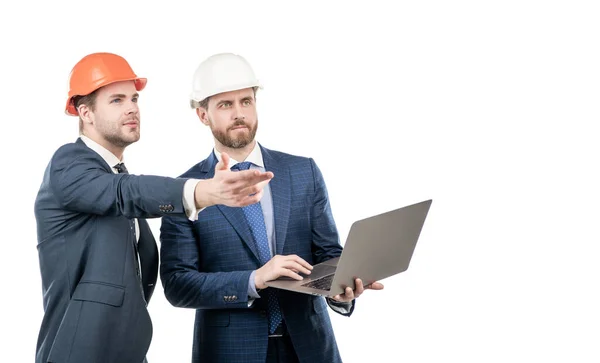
199,97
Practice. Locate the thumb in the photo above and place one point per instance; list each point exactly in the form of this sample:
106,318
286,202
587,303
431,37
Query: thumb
224,163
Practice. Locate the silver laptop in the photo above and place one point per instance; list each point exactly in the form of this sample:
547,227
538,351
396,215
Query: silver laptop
377,247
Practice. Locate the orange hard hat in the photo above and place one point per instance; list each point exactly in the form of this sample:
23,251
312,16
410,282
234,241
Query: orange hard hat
97,70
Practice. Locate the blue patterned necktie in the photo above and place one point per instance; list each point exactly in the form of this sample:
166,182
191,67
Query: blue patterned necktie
256,222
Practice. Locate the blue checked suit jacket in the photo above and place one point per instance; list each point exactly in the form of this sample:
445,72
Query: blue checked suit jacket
94,304
206,264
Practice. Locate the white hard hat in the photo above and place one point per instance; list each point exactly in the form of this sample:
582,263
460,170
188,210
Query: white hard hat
220,73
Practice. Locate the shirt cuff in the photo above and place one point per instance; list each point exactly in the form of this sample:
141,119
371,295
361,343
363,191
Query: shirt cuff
189,200
339,306
251,287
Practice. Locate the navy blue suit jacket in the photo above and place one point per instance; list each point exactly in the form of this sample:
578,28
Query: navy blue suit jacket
206,264
94,304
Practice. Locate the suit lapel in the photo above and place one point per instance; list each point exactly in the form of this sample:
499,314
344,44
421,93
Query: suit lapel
235,216
107,167
280,193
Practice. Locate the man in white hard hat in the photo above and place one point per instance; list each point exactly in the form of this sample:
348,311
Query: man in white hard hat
219,264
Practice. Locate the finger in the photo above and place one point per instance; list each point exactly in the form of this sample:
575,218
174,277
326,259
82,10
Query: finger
349,294
252,189
359,287
224,163
251,199
241,180
262,183
289,273
293,265
299,260
376,286
219,166
341,298
256,179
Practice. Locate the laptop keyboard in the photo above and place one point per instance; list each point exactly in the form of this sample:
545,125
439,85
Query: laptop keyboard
322,283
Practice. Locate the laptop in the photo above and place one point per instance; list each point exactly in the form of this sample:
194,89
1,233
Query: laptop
376,248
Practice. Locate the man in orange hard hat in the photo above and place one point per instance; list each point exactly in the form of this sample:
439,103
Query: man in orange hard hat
98,258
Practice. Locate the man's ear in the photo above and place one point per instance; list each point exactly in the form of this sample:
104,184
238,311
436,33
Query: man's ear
85,114
203,115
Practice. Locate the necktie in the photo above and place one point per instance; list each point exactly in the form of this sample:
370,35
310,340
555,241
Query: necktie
121,168
256,222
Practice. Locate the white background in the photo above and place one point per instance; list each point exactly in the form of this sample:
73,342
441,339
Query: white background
489,108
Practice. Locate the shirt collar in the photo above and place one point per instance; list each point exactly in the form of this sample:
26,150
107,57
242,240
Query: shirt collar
109,157
255,157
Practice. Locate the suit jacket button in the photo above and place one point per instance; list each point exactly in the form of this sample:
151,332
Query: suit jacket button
263,313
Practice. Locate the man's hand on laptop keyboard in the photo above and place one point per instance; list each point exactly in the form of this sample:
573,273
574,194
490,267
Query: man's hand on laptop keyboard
281,265
350,295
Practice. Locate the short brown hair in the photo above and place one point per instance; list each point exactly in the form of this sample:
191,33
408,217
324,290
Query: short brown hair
195,104
204,103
